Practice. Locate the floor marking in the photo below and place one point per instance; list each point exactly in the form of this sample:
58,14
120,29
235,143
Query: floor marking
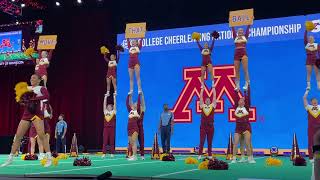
178,172
80,169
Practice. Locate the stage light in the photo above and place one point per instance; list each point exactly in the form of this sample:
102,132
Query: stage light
13,0
58,3
79,1
23,5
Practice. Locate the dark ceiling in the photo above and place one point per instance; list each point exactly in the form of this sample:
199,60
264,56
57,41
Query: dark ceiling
160,14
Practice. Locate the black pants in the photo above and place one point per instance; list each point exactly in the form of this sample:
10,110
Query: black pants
60,144
165,138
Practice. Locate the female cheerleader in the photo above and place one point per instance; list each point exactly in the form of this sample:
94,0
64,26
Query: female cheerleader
313,111
112,71
140,126
110,112
134,110
134,65
312,49
207,118
41,95
33,137
206,60
240,55
42,64
243,127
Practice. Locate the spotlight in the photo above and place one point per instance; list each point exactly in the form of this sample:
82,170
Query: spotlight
23,5
79,1
13,0
58,3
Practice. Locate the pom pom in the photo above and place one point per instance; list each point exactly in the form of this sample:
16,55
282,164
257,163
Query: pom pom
215,164
31,157
23,157
119,48
215,34
191,160
196,36
299,161
55,161
168,157
21,88
162,155
104,50
29,51
62,156
203,165
43,162
273,162
85,161
55,154
309,25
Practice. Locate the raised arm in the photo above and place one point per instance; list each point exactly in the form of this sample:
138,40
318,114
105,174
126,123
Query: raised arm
140,43
118,56
50,54
128,43
236,99
201,97
234,32
139,104
106,58
128,102
305,101
143,105
214,98
212,44
199,45
247,98
115,103
247,31
105,104
305,38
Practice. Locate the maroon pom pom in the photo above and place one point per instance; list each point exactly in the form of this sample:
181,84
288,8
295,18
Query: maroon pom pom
55,154
85,161
31,157
215,164
299,161
119,48
169,157
215,34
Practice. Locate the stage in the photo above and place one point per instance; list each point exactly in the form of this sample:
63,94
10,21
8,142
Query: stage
155,169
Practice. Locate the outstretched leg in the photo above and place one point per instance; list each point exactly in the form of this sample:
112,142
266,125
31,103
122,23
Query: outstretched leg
114,83
237,69
309,71
108,86
246,71
45,79
131,71
316,70
137,70
210,69
203,71
235,147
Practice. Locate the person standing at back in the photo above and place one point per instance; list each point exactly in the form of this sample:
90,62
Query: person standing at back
60,134
166,128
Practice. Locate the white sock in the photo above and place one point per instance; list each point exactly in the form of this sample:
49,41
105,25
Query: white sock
48,154
308,84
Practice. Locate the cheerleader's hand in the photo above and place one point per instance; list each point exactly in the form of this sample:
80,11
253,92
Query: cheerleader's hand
307,92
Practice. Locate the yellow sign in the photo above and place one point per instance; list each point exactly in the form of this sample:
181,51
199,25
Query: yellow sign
135,30
241,17
47,42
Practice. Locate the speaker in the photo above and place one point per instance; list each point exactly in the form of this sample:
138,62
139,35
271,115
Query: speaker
5,144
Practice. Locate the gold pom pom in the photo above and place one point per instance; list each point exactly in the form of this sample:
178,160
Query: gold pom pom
29,51
43,162
309,25
62,156
104,50
191,160
203,165
196,36
162,155
273,162
55,161
23,156
21,88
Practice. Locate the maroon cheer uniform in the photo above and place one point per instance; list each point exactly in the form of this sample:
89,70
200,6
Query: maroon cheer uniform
313,125
41,95
133,54
134,116
311,50
109,131
206,127
41,67
206,54
240,43
112,67
141,133
242,114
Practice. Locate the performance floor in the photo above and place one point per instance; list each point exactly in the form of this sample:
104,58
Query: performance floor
154,169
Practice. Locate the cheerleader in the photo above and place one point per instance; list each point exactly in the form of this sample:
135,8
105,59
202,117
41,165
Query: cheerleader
243,127
240,55
140,126
112,71
110,112
134,65
207,119
313,111
134,110
206,60
316,151
42,64
312,49
33,113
